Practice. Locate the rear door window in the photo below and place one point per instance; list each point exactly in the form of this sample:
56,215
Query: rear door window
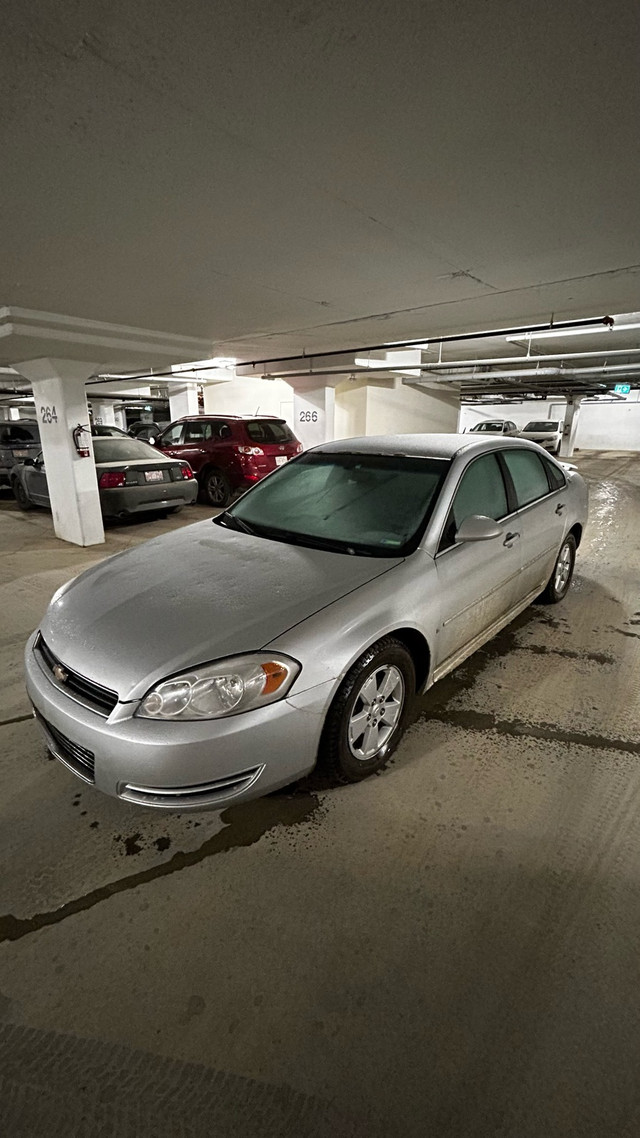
270,431
528,475
556,478
197,431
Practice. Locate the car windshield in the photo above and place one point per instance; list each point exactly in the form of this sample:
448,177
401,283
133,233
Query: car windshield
488,426
542,425
12,433
376,505
123,450
269,431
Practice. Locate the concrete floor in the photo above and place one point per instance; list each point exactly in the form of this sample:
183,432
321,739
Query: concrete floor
449,949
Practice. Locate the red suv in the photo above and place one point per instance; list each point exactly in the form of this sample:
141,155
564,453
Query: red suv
228,452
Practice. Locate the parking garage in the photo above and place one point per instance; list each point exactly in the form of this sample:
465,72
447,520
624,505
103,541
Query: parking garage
287,216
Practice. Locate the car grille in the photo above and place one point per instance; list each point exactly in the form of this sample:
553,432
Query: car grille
77,758
204,794
78,687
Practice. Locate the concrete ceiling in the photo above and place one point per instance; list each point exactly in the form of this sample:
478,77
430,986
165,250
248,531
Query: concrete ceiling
276,177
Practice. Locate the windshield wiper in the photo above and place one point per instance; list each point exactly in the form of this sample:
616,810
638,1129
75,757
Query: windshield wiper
230,521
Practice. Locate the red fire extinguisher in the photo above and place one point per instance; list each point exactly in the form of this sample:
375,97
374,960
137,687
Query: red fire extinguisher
82,440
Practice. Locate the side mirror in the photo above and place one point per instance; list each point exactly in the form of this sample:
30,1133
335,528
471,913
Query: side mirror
28,462
477,527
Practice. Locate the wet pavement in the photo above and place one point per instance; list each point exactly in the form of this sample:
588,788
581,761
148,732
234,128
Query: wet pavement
447,949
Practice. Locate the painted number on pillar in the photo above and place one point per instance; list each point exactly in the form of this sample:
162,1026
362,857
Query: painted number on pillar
48,415
308,416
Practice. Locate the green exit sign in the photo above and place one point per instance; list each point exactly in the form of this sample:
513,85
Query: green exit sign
622,388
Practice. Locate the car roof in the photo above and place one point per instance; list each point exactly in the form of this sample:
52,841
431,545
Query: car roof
422,446
234,418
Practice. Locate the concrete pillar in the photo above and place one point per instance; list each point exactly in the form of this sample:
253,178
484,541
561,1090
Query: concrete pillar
570,427
61,405
183,400
391,406
103,412
313,411
120,419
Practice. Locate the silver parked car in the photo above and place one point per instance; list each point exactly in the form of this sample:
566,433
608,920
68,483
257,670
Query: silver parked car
494,427
546,433
221,661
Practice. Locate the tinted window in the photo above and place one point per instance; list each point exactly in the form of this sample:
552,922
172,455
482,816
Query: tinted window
493,427
12,433
197,431
171,436
554,474
481,491
269,431
542,425
123,450
528,474
353,503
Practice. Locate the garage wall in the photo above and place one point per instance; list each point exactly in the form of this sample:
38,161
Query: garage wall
250,397
601,426
387,407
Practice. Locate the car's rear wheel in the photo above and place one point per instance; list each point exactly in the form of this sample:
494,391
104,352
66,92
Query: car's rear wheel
369,713
216,488
557,586
20,495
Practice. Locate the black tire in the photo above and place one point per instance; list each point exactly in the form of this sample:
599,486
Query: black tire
215,488
558,584
336,755
20,495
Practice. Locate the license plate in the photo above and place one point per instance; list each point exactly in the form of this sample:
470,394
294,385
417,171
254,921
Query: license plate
20,453
154,475
281,459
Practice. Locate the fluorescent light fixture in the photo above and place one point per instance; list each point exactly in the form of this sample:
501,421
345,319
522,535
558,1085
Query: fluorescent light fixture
550,333
217,361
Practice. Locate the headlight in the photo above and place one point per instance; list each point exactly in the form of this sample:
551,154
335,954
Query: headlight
225,688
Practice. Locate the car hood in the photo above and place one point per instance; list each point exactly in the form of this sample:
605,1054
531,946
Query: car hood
191,596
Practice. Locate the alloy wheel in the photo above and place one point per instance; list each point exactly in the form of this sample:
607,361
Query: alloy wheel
376,712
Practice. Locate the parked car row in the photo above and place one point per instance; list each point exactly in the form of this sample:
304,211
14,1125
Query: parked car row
546,432
222,454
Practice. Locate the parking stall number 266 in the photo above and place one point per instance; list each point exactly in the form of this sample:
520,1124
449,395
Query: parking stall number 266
308,416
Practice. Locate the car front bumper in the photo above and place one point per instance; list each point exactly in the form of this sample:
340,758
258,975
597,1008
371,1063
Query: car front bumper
193,765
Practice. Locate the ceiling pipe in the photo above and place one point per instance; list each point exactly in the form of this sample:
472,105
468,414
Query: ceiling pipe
591,322
440,365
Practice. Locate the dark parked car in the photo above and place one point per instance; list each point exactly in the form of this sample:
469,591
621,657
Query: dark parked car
107,431
19,438
132,478
227,452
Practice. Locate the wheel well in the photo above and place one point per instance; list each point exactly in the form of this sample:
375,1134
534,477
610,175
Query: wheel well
417,646
576,530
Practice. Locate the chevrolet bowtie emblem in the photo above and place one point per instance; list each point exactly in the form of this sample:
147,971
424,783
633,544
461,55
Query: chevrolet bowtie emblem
60,673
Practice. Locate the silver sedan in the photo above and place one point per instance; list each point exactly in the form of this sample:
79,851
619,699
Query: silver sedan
222,661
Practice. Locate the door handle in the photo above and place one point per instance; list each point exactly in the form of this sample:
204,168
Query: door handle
509,538
560,507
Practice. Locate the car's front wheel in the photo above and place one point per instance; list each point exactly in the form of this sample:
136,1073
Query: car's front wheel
216,488
557,586
20,495
369,713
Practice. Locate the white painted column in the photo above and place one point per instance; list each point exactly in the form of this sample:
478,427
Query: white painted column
570,427
183,400
61,405
103,412
313,411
